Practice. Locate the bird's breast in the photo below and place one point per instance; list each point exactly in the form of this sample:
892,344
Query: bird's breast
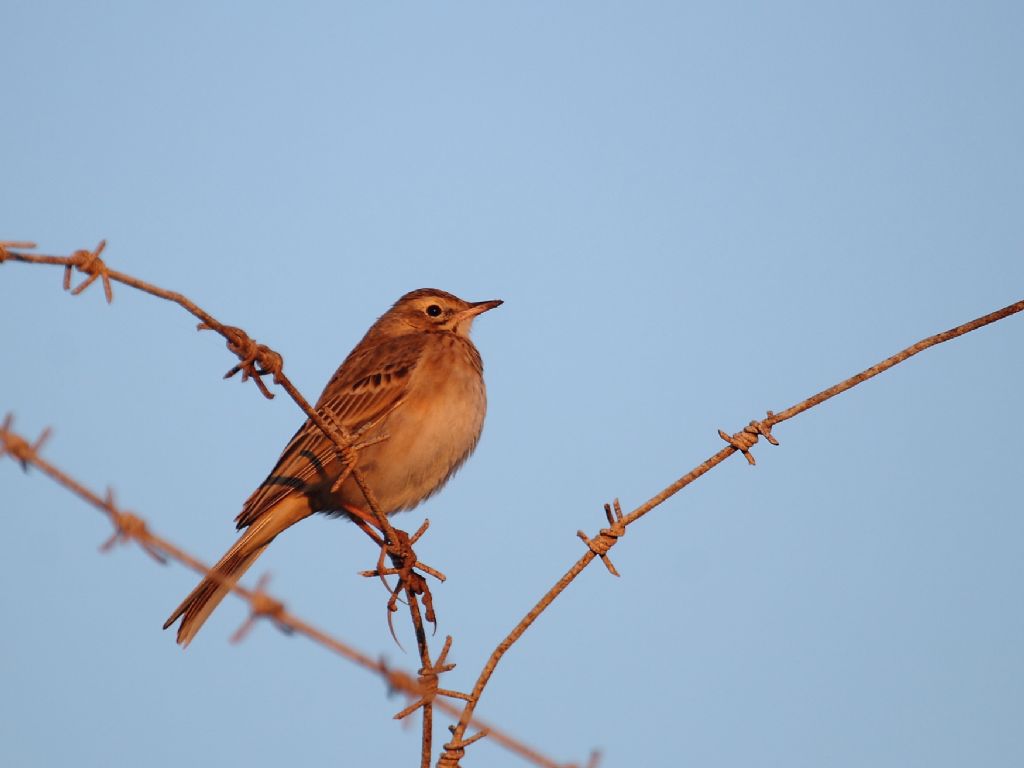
433,431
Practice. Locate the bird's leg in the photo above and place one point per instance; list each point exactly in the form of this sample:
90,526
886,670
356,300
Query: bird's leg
403,563
366,521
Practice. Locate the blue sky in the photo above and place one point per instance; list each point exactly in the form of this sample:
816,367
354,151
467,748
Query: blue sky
694,212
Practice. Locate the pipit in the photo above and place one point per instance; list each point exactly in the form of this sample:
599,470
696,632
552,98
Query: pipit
412,392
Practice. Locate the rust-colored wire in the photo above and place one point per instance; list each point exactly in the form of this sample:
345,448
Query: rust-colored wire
741,441
255,361
258,360
129,526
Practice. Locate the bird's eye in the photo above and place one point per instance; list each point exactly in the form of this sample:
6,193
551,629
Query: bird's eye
433,310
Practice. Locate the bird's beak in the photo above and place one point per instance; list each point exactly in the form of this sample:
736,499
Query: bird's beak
479,307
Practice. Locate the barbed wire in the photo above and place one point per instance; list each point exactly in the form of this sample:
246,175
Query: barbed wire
256,360
130,527
739,442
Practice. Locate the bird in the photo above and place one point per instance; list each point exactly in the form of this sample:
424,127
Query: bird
413,392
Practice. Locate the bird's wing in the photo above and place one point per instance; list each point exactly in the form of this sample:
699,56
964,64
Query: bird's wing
368,385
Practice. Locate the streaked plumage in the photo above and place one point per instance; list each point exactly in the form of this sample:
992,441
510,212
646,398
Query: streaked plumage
415,377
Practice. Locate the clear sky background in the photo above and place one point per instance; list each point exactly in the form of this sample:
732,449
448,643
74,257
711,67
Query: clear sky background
694,212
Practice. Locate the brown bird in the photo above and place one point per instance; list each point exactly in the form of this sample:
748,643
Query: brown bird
415,377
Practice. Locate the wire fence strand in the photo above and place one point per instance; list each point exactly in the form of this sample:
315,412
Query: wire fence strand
741,442
130,527
257,360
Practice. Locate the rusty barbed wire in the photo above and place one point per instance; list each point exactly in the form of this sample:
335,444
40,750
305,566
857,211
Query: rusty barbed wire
129,527
740,442
256,362
607,537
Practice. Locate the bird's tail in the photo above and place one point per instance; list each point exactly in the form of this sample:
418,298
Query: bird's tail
197,607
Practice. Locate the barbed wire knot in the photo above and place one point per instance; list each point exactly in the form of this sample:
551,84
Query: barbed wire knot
455,749
255,360
397,680
20,449
261,605
265,605
128,527
428,682
607,537
89,263
747,437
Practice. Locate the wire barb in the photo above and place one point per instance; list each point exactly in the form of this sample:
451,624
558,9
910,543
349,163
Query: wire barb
89,263
261,605
607,537
6,245
747,437
255,360
428,681
128,527
18,447
455,749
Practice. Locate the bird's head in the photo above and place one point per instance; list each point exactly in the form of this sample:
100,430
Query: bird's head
430,309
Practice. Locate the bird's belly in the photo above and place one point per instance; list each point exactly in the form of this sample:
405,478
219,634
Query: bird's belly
430,435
